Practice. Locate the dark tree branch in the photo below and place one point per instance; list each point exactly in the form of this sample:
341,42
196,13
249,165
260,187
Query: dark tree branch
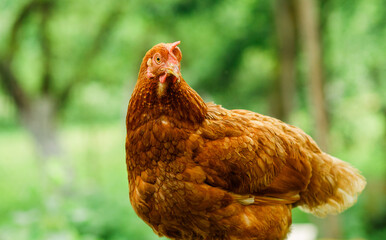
104,32
12,86
25,12
7,77
47,80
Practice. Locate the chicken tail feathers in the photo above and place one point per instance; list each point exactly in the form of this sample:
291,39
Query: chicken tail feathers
334,186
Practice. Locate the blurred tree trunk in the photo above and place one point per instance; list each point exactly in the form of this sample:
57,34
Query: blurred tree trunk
309,26
40,120
285,85
310,32
38,112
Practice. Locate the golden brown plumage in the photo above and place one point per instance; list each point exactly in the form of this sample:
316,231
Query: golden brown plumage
199,171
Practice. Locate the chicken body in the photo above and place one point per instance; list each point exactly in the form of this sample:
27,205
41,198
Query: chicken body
199,171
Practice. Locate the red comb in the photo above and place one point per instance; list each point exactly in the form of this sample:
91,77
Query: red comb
173,45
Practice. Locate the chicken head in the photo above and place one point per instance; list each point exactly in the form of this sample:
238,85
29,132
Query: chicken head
163,63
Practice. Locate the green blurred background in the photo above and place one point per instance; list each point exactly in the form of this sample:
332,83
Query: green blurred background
68,67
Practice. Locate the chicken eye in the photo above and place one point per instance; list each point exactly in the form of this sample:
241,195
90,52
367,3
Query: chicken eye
157,59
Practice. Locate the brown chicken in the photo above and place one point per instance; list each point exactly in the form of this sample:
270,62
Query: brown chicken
199,171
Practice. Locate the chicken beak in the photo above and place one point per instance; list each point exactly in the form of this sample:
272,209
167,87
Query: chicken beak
174,70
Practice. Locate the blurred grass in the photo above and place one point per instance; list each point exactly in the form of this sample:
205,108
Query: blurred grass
97,205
